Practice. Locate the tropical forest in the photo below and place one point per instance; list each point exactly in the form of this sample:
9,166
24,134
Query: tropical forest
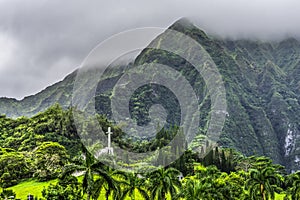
50,148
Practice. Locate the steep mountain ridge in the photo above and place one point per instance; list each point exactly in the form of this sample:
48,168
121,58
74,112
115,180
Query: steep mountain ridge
60,93
262,85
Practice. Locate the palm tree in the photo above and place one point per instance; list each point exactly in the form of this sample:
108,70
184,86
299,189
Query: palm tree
192,190
163,182
132,184
204,186
89,168
294,182
111,186
262,184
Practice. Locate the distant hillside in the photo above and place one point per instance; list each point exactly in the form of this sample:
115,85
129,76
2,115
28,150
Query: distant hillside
262,81
58,93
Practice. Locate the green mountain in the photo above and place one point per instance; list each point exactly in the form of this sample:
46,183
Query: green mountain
60,92
262,85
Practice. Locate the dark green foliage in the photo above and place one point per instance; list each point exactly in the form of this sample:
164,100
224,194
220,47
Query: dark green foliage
91,167
25,134
25,149
134,183
5,194
293,185
210,183
185,163
223,159
64,190
50,158
13,167
262,184
163,182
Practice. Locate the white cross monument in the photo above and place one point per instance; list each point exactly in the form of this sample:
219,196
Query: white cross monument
110,150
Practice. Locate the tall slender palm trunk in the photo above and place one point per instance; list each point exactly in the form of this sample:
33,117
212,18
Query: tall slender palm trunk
263,195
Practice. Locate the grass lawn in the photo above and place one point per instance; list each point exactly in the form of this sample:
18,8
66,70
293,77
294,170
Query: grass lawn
30,187
279,196
35,188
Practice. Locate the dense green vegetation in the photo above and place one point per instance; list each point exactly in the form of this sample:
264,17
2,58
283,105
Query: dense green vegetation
54,165
43,152
261,81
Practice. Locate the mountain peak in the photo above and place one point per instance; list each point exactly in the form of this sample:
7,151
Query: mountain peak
185,26
184,22
258,121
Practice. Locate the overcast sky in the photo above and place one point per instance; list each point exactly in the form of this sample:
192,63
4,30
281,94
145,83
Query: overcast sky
43,40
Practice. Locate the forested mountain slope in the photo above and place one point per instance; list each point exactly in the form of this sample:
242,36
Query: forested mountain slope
262,82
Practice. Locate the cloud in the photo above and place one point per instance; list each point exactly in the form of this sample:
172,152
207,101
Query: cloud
44,40
8,48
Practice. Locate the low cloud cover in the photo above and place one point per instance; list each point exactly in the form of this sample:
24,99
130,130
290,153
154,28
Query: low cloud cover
44,40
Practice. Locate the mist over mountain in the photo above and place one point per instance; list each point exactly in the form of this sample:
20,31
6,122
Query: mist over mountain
262,90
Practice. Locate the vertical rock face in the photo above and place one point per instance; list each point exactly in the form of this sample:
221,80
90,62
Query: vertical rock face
262,82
